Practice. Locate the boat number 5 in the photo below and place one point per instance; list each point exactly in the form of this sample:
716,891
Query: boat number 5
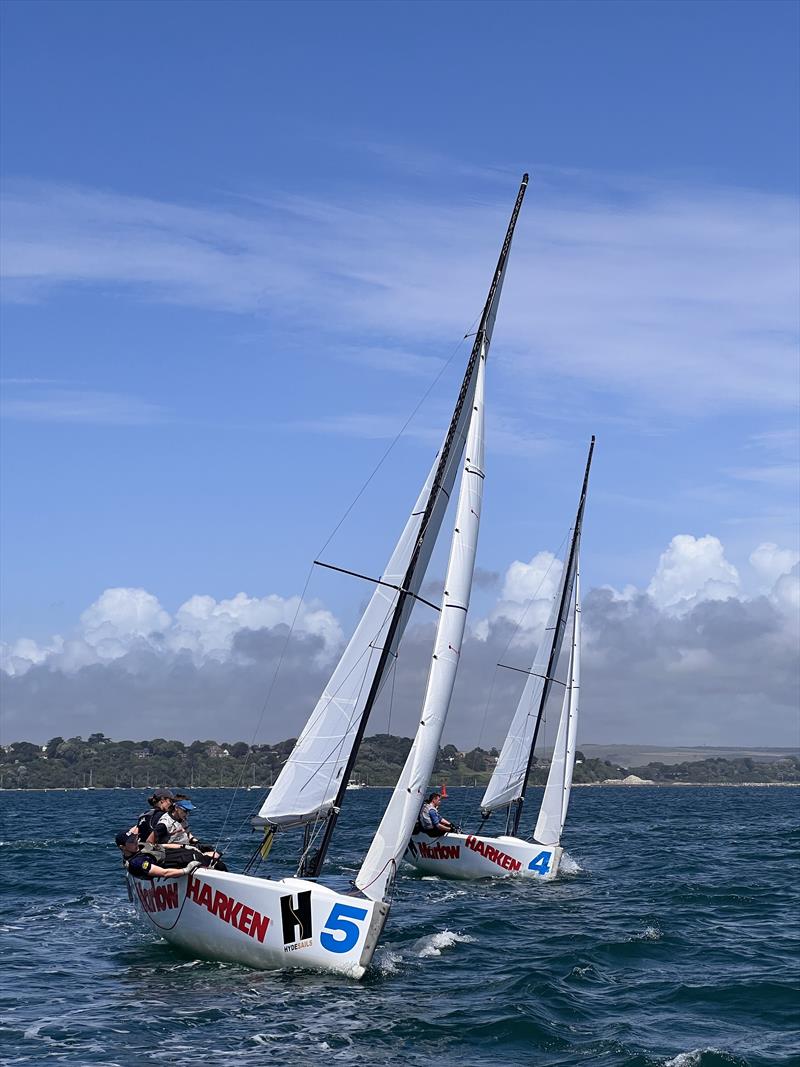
345,932
540,863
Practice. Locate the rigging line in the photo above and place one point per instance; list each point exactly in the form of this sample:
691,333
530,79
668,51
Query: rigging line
366,653
265,705
375,470
397,437
518,627
375,581
534,674
534,595
391,698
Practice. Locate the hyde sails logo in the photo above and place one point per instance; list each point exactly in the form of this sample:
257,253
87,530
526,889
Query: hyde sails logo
296,921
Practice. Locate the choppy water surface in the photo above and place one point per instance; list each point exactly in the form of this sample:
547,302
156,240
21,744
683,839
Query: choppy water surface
672,942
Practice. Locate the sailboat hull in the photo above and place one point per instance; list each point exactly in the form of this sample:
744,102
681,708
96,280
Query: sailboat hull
262,923
473,856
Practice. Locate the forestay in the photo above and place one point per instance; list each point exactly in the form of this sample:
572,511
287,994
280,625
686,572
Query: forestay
312,780
507,782
308,785
553,812
391,839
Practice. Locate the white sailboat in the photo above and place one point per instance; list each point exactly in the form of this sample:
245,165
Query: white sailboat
478,855
297,921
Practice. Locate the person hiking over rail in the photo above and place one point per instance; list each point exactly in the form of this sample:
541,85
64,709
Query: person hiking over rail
150,863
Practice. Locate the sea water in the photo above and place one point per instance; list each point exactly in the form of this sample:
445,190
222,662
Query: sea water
670,938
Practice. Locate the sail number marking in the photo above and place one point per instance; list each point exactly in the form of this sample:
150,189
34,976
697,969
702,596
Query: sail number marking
541,863
340,923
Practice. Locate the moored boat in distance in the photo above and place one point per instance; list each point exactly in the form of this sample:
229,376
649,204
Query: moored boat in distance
298,921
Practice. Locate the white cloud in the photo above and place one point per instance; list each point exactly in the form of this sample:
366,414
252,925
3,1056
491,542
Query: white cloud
770,562
682,298
78,406
526,597
786,593
122,621
691,570
695,670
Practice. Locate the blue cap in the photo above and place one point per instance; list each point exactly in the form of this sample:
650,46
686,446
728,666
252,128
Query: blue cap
187,805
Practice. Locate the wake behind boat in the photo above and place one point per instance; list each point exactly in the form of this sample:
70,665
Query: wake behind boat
457,855
297,921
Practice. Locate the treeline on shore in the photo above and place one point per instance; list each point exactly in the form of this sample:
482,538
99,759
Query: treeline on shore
102,763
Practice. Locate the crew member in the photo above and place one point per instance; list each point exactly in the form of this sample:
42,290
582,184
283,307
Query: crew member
431,822
150,863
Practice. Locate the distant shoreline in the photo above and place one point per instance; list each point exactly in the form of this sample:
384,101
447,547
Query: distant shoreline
575,785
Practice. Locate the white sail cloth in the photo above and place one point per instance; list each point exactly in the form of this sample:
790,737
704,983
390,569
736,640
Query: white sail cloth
508,777
308,784
553,812
391,839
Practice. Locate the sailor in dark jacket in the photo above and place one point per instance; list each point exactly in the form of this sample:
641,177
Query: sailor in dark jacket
160,802
151,863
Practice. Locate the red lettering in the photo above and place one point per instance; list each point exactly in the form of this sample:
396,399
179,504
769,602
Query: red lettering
239,915
258,926
491,854
172,895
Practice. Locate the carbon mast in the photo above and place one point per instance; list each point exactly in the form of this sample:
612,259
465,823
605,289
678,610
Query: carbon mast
313,863
561,623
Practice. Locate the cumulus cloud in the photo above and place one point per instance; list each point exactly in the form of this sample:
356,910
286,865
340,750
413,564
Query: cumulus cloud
692,569
528,589
770,563
125,621
676,663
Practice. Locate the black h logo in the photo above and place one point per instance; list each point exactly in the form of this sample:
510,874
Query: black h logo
296,916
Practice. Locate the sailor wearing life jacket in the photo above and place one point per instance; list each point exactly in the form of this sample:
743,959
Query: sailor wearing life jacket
160,803
151,862
172,830
430,821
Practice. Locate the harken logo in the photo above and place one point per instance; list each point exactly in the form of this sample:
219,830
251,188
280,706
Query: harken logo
296,921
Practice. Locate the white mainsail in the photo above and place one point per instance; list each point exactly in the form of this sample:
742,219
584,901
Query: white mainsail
310,779
313,776
391,839
553,812
507,781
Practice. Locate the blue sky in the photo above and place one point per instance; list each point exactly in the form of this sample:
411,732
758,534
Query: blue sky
243,240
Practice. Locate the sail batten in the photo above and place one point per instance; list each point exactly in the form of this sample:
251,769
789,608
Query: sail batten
507,781
553,810
389,843
510,777
343,709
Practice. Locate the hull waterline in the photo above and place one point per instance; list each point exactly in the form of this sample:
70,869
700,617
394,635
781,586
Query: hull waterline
260,923
468,856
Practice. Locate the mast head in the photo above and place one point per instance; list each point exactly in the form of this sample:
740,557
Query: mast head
525,178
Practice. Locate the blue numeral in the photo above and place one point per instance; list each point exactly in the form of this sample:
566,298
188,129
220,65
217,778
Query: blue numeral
339,923
540,863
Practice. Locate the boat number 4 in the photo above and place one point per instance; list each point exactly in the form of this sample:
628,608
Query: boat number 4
541,863
341,933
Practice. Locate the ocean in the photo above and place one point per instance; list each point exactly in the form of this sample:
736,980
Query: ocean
670,938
